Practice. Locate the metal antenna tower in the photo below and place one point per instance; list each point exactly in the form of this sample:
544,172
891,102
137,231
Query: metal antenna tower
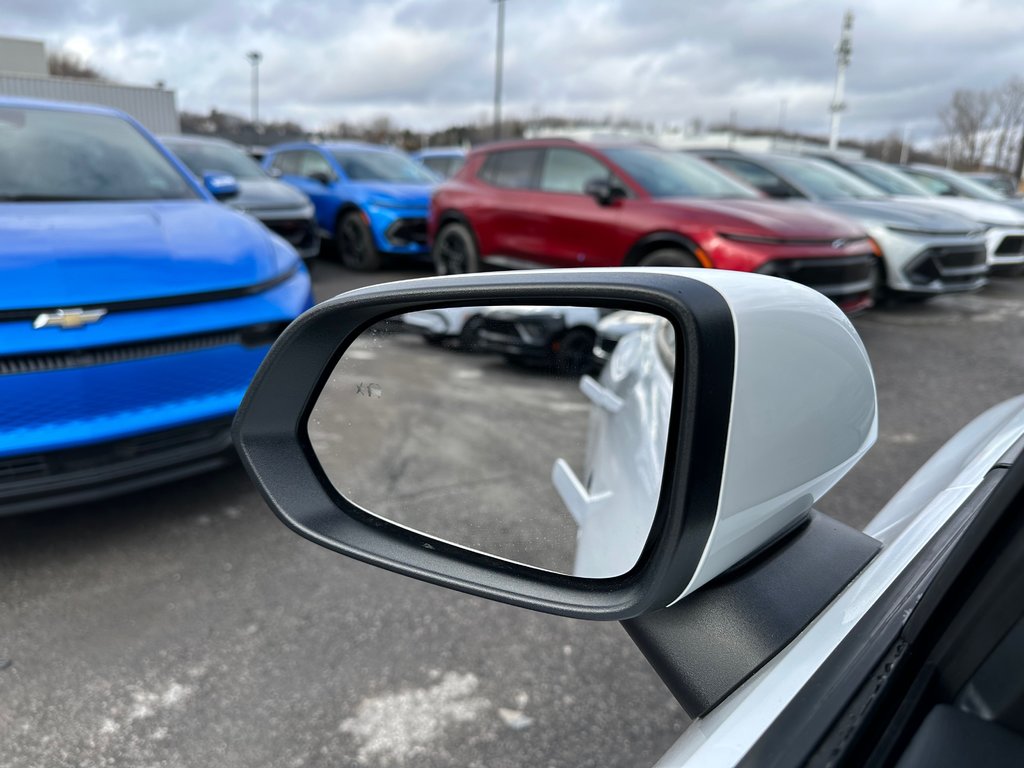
843,52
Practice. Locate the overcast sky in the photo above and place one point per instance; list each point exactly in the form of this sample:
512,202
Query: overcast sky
430,63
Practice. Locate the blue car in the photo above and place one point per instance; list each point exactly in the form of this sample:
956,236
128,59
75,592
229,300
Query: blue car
443,161
371,200
134,309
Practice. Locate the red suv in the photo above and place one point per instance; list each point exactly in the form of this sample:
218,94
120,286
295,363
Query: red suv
560,203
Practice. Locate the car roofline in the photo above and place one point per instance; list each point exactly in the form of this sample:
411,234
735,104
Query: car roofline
20,102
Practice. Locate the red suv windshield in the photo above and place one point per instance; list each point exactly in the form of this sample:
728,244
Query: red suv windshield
668,174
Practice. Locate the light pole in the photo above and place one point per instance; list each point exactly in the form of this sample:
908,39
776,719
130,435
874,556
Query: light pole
843,52
499,55
255,57
781,124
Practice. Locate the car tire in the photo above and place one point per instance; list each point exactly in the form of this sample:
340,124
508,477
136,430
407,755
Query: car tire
669,257
912,298
455,250
575,354
354,243
467,339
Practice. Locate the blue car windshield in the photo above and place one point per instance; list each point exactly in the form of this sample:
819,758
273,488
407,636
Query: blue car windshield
669,174
53,155
375,165
211,157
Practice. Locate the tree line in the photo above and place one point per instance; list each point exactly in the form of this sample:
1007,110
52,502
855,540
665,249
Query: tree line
983,128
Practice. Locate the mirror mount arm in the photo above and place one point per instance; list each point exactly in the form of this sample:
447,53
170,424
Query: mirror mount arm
709,643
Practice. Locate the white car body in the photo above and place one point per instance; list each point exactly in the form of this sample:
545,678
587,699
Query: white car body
905,526
444,322
573,317
616,325
615,507
1004,225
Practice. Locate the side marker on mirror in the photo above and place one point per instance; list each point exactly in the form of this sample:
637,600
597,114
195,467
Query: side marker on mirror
600,396
576,498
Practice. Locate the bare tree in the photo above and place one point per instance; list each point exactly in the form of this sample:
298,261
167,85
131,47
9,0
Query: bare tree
1009,105
968,121
65,64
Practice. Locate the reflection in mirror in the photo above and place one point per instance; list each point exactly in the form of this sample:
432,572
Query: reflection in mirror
534,434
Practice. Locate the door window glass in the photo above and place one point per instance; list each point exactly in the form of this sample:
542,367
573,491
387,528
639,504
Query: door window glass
568,170
314,162
512,169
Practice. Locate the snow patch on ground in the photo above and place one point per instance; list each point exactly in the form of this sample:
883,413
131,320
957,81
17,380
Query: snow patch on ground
145,704
395,728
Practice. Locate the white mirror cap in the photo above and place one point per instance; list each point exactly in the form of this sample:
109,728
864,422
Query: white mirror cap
804,411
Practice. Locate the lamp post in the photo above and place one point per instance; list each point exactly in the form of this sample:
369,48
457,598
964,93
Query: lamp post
843,52
499,55
255,57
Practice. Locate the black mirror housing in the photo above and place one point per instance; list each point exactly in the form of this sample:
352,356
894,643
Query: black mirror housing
270,433
604,191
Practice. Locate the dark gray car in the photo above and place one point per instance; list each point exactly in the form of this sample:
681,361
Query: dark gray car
282,208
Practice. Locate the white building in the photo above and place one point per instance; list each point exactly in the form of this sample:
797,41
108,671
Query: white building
23,73
677,139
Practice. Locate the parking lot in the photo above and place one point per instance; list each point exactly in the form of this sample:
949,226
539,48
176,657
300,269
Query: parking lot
186,626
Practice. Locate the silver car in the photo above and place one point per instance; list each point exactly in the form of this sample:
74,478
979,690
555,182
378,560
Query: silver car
1003,223
924,251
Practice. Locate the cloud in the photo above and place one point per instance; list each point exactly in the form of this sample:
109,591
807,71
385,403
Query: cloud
428,63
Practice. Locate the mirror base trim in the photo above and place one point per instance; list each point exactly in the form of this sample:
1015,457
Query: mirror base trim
709,643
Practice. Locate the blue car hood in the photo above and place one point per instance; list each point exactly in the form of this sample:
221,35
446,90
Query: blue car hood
411,195
75,254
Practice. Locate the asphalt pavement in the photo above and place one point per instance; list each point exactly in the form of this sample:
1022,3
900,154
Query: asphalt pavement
185,626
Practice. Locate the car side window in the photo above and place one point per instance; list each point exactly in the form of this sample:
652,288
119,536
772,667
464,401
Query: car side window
511,169
315,163
568,170
438,165
757,176
286,163
933,184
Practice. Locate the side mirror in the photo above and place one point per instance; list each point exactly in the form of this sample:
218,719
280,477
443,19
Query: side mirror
604,191
322,177
221,185
747,398
274,172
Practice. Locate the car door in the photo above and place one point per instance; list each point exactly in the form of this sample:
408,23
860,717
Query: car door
510,208
317,178
576,229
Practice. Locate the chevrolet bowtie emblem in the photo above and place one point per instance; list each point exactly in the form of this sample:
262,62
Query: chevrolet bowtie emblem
68,318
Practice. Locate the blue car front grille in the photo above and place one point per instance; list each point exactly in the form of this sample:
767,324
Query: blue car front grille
81,358
80,394
64,400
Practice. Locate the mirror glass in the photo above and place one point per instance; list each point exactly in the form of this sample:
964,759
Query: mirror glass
532,433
